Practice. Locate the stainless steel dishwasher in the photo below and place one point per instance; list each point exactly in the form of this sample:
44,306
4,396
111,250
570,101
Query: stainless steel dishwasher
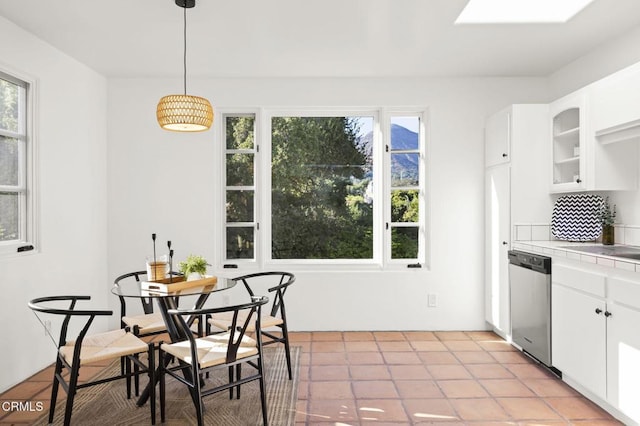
530,300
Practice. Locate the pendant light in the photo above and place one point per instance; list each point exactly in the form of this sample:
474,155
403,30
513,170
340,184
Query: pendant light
184,113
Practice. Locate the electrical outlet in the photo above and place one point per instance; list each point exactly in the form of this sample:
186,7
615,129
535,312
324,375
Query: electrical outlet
432,300
47,327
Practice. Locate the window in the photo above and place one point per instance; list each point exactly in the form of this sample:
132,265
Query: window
324,187
16,188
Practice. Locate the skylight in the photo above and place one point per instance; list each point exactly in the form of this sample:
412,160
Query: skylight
520,11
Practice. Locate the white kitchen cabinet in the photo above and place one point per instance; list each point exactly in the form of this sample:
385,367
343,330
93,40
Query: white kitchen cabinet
578,332
581,161
623,346
568,127
497,147
595,314
514,191
616,106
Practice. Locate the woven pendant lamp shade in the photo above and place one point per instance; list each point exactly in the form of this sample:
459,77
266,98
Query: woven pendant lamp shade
184,113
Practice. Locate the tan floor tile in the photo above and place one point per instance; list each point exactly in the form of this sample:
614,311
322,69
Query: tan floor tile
361,346
382,410
360,358
462,389
451,335
329,372
352,336
303,389
550,387
483,335
302,412
420,335
374,389
430,410
506,388
418,389
529,371
330,390
331,411
409,372
327,347
425,346
304,372
328,358
305,358
370,372
444,372
474,357
394,346
528,409
299,336
510,357
489,371
389,336
45,375
401,358
496,346
482,409
305,347
433,358
577,408
333,336
462,345
25,390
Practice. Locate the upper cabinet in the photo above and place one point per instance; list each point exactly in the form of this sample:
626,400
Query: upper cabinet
582,160
616,106
568,140
497,138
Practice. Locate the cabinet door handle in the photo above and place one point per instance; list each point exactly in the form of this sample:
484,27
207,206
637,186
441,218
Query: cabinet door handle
504,155
598,311
607,314
504,243
578,180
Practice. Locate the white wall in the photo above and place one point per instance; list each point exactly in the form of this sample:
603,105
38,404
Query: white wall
71,136
164,183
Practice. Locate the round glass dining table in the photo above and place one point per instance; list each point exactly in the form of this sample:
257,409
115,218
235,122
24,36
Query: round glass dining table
171,300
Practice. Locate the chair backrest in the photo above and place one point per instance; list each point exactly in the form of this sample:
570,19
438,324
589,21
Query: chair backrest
238,329
277,282
37,305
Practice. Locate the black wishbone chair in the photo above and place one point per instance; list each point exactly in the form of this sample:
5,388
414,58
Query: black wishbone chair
148,323
198,355
86,349
276,283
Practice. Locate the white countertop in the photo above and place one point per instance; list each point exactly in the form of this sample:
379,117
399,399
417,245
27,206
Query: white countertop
561,249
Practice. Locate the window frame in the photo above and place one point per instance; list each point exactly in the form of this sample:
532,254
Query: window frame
28,241
381,259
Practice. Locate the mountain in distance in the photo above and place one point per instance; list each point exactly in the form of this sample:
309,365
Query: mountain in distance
404,165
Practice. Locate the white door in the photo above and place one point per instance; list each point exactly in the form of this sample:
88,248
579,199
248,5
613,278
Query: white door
498,237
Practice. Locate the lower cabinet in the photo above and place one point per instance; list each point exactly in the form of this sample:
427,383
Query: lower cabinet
595,339
579,338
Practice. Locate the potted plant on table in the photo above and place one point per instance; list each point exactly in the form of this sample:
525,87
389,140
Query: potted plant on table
607,219
194,267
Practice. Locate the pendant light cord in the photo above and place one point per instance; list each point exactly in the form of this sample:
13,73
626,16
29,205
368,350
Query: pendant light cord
184,59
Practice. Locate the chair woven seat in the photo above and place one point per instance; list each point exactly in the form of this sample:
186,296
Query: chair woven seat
212,350
223,321
147,323
109,345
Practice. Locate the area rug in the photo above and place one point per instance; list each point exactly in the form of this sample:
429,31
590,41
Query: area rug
106,404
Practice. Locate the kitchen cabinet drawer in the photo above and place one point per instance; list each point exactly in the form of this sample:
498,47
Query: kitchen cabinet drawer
625,292
580,279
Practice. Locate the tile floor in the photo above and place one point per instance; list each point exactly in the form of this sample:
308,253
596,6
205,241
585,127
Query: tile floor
401,378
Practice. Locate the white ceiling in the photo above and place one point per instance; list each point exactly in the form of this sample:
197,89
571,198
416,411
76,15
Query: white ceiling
283,38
